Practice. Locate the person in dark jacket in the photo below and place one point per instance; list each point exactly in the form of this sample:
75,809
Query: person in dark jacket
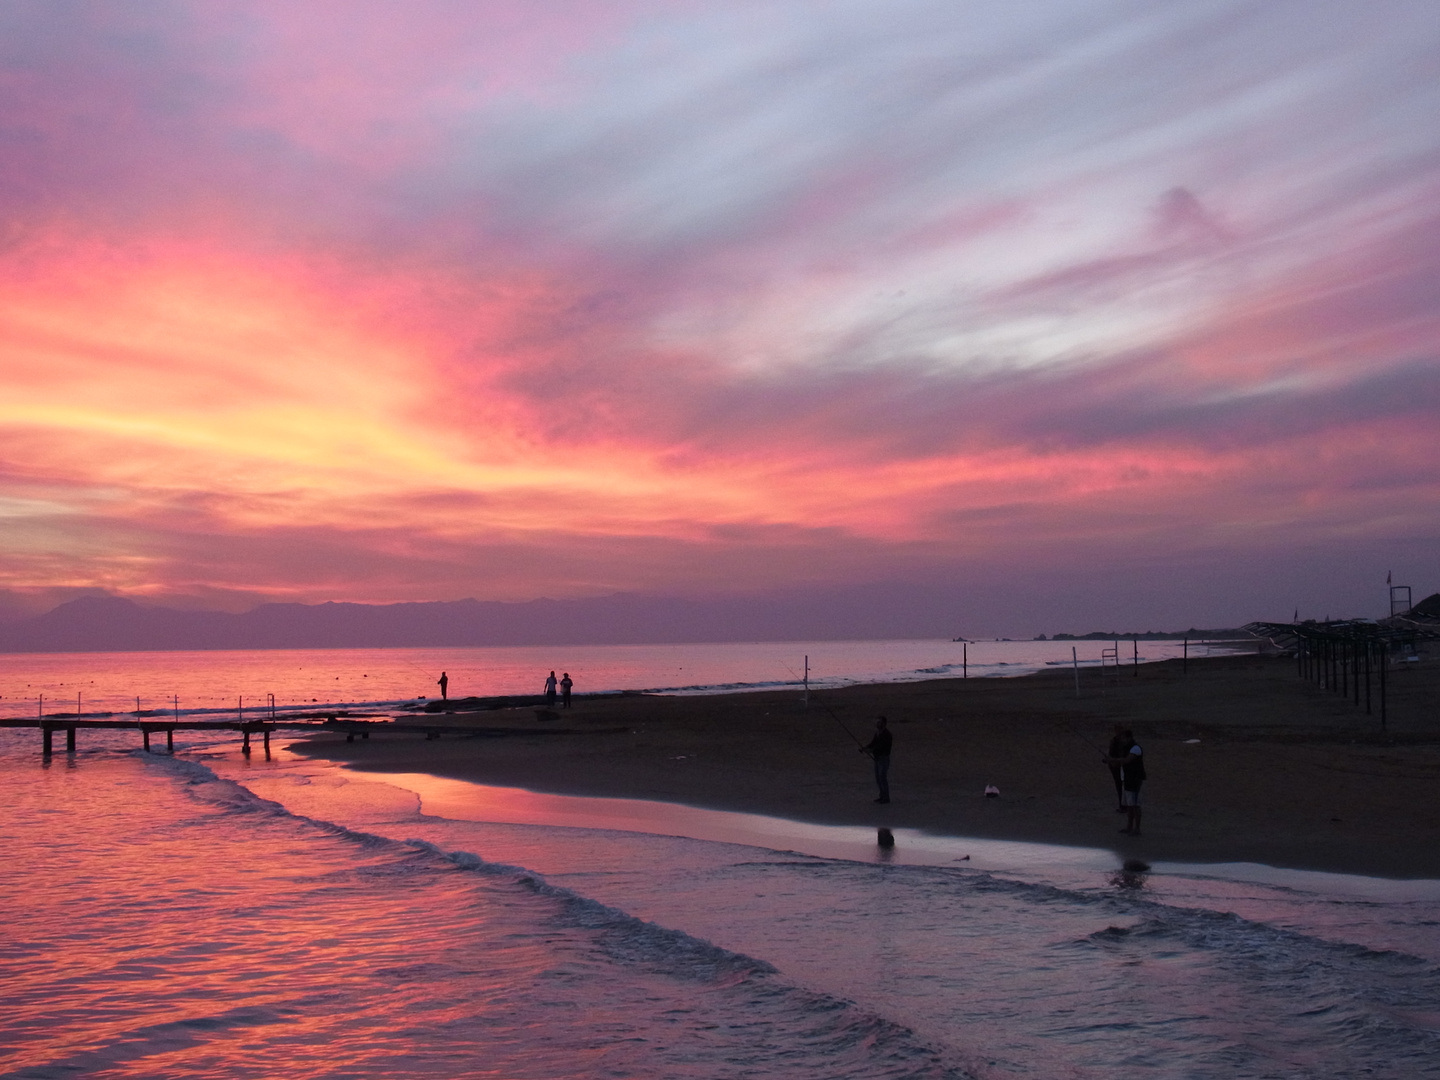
879,750
1132,775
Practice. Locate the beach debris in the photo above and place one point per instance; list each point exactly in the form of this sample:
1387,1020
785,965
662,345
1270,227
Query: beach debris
1192,740
885,838
991,791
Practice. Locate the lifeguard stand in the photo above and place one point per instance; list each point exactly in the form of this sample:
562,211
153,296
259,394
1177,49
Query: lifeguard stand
1400,603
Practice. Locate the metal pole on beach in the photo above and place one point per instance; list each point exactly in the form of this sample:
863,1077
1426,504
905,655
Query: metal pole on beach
965,660
1355,672
1136,644
1075,662
1185,658
1384,663
806,699
1369,649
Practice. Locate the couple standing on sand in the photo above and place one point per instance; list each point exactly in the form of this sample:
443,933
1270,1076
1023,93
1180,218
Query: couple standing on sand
565,684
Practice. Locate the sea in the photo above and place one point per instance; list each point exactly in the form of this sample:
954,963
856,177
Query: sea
257,681
213,914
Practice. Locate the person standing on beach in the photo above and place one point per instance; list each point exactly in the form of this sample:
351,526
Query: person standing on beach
1132,775
444,682
550,691
879,750
1118,749
565,684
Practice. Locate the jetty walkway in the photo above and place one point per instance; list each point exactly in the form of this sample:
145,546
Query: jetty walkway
351,726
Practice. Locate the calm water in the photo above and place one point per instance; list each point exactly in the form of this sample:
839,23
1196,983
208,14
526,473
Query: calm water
211,916
208,915
221,680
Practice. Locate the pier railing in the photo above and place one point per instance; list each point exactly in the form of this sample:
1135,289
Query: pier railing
340,721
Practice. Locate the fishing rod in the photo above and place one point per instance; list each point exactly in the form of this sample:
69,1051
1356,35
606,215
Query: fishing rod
1073,730
416,666
827,708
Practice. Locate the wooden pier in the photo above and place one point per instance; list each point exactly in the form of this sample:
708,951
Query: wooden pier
351,726
69,725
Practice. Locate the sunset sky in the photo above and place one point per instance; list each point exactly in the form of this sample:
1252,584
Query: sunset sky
1121,311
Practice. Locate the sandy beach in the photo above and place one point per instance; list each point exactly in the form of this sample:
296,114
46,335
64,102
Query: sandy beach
1247,762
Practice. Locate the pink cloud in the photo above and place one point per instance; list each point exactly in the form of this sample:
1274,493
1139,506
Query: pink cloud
474,300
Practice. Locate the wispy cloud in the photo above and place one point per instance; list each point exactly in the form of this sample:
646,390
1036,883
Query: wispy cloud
472,298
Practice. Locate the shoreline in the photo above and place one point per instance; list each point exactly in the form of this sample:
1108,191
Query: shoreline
1283,773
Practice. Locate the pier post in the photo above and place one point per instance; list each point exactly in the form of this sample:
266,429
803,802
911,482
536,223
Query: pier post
245,746
170,739
70,739
47,739
145,737
267,742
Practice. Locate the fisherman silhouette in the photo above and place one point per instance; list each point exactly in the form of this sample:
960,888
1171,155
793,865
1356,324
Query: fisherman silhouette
1132,775
565,684
879,749
550,690
444,681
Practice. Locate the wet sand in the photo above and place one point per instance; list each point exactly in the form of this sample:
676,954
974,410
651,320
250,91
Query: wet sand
1283,772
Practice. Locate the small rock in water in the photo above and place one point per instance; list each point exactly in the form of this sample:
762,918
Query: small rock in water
991,791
